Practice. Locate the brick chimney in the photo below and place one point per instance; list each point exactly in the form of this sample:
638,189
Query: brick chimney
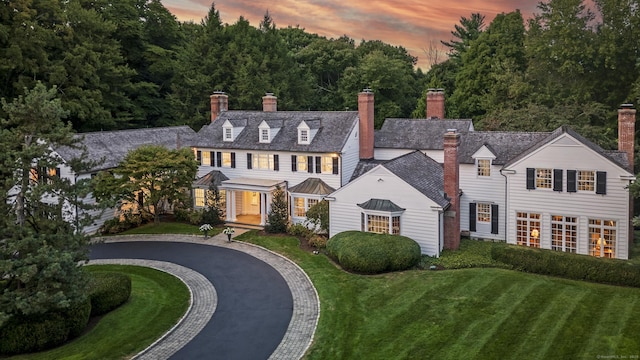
452,190
219,103
269,103
435,104
365,114
627,131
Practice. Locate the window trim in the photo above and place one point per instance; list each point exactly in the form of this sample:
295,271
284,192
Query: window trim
532,233
227,133
482,171
364,221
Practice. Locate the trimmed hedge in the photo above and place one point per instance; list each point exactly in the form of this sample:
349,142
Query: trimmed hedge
567,265
22,334
107,291
373,253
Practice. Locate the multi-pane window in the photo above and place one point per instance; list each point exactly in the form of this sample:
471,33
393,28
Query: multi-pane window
484,212
311,202
298,207
602,238
302,164
226,159
228,134
304,136
205,158
544,178
586,180
564,233
327,164
199,197
528,229
264,135
381,224
484,167
263,161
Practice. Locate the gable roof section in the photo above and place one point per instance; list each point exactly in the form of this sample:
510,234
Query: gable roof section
113,146
616,157
214,177
333,127
504,145
417,134
421,172
364,166
313,186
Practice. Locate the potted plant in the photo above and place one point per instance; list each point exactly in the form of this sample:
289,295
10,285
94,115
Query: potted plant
205,229
228,231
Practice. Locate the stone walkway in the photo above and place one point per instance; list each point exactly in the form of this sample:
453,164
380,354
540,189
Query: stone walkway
306,304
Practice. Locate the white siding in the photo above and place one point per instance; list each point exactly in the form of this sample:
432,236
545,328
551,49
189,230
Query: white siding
567,154
350,156
485,189
418,222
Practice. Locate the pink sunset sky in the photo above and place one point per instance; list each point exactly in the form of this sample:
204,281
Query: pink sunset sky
413,24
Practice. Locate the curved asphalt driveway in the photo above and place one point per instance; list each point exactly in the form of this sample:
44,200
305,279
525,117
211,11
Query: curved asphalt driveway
254,302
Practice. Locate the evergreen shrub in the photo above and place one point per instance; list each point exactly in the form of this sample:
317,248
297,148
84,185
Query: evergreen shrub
373,253
568,265
107,291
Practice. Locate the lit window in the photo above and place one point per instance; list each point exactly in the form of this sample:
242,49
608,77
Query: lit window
302,164
327,164
262,161
226,159
205,158
484,167
602,238
381,224
199,197
228,134
298,207
264,135
484,212
311,202
564,233
528,229
586,180
544,178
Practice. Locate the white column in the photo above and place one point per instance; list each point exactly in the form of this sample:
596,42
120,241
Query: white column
263,204
233,206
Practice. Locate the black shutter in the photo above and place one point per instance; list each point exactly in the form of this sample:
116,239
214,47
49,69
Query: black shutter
494,218
362,222
294,163
310,164
531,178
249,163
557,179
58,172
472,216
233,160
212,158
219,158
140,198
199,156
276,162
334,165
571,180
318,164
601,182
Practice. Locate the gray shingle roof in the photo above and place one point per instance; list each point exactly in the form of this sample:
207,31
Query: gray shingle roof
380,205
214,177
422,134
504,145
312,186
364,166
113,146
334,128
617,157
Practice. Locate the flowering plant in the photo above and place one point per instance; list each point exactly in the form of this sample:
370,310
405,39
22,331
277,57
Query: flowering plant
205,227
228,231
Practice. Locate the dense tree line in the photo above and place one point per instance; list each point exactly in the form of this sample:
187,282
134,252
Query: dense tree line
130,63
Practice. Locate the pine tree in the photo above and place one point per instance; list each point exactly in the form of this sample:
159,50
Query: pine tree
279,213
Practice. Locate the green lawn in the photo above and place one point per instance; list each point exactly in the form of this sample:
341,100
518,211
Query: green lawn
476,313
169,228
158,300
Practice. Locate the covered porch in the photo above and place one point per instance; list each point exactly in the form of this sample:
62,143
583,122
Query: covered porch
249,200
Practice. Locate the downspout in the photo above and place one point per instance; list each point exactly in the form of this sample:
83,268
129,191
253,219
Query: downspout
506,201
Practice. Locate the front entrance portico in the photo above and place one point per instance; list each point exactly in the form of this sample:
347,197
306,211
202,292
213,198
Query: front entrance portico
249,200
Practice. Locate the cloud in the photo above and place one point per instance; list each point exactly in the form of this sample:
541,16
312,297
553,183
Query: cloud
413,24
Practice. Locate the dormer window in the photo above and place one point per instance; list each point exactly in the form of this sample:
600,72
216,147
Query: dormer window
304,136
268,130
264,136
228,134
304,133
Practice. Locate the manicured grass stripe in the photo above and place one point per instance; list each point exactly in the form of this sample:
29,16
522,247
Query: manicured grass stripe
549,323
630,331
606,337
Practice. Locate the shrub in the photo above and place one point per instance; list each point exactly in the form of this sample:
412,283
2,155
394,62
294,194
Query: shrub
373,253
567,265
279,214
317,241
107,291
188,215
318,216
299,230
21,334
